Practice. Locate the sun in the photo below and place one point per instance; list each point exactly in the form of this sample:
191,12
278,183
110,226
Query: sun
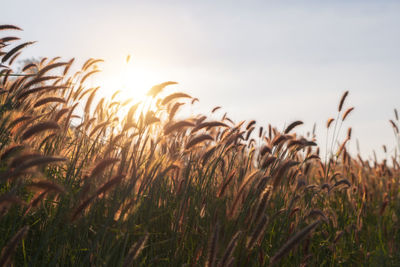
132,80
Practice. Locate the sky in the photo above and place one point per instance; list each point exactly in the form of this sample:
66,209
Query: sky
273,61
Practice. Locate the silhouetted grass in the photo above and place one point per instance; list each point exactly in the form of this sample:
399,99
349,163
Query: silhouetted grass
148,189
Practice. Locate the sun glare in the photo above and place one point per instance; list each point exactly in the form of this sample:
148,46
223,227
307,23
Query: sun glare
129,81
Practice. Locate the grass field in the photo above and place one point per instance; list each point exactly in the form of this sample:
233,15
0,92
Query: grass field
81,185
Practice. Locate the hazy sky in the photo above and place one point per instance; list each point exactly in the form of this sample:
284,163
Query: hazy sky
274,61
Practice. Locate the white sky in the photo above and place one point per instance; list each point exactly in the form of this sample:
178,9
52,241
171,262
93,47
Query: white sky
274,61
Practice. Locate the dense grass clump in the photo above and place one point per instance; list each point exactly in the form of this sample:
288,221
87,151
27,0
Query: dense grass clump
81,186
